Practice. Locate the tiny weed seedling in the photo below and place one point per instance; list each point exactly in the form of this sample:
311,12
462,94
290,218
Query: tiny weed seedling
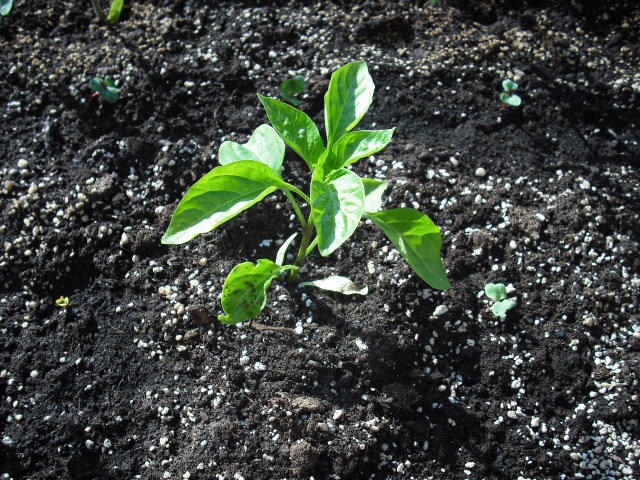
105,89
5,7
114,12
337,200
292,87
497,292
507,97
63,302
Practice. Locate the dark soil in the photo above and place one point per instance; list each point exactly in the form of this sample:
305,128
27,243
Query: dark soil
136,379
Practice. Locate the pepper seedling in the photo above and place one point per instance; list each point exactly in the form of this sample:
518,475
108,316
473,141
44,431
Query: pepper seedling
291,87
105,89
507,97
63,302
497,292
337,201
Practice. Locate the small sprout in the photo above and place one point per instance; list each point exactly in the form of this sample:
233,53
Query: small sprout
433,2
63,302
5,7
291,87
114,12
104,88
507,97
497,292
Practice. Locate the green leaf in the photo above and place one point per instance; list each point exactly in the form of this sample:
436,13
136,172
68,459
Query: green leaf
292,86
115,11
264,146
219,196
495,291
353,146
338,284
418,240
373,190
5,7
282,251
512,100
509,85
347,100
97,84
336,208
244,294
499,309
111,94
296,128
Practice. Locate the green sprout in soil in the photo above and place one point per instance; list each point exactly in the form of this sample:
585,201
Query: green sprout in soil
433,2
63,302
105,89
291,87
507,97
337,201
497,292
114,12
5,7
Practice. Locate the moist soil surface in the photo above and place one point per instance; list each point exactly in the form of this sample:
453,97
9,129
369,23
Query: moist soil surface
138,379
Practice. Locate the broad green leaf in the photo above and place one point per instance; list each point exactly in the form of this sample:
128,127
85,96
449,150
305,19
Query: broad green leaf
418,240
282,251
244,293
353,146
219,196
509,85
290,87
373,190
347,100
336,208
296,128
264,146
5,7
335,283
115,11
495,291
500,309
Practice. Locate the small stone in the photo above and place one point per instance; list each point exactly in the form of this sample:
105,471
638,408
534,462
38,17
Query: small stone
481,172
202,262
440,310
338,414
454,161
33,374
512,414
89,444
260,367
22,163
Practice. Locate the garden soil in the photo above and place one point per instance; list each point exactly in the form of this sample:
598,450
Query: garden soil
138,379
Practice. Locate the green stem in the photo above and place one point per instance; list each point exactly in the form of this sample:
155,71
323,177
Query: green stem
302,195
302,252
97,6
312,245
296,208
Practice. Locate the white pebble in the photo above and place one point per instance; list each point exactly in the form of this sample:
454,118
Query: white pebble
440,310
33,374
259,366
338,414
22,163
481,172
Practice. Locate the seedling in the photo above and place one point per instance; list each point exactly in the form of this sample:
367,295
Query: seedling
291,87
507,97
497,292
114,12
338,198
63,302
105,89
5,7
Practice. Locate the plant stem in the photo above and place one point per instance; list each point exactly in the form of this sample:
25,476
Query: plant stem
296,208
301,194
312,245
302,252
97,6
